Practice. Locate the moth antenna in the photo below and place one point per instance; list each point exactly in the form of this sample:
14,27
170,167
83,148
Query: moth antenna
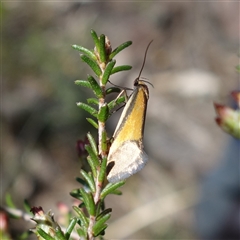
125,88
147,82
144,59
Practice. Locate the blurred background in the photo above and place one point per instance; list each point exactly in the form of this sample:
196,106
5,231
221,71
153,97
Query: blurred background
190,187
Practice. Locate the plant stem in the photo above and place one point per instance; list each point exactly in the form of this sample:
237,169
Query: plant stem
101,129
90,227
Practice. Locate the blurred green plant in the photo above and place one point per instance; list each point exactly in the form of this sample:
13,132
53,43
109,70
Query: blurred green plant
228,118
91,214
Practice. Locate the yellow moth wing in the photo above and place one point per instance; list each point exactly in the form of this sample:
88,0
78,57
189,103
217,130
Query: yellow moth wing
126,151
131,123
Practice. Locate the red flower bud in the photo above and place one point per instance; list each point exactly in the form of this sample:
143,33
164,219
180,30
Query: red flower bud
80,146
228,119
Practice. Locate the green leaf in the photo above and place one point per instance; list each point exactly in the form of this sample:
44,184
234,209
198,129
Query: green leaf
103,213
22,236
92,122
44,235
86,51
110,187
89,180
27,206
9,201
102,172
92,143
116,102
70,228
82,234
93,101
92,166
81,181
81,205
108,72
95,87
83,83
104,142
102,50
59,234
121,68
99,226
84,184
83,218
117,192
93,155
113,90
89,202
76,194
92,64
100,230
103,113
88,108
95,39
119,49
100,207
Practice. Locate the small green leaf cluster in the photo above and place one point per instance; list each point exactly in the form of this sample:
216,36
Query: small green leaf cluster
96,211
15,213
228,118
46,227
101,61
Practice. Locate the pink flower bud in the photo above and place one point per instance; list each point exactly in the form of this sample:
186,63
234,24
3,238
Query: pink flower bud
228,119
236,97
